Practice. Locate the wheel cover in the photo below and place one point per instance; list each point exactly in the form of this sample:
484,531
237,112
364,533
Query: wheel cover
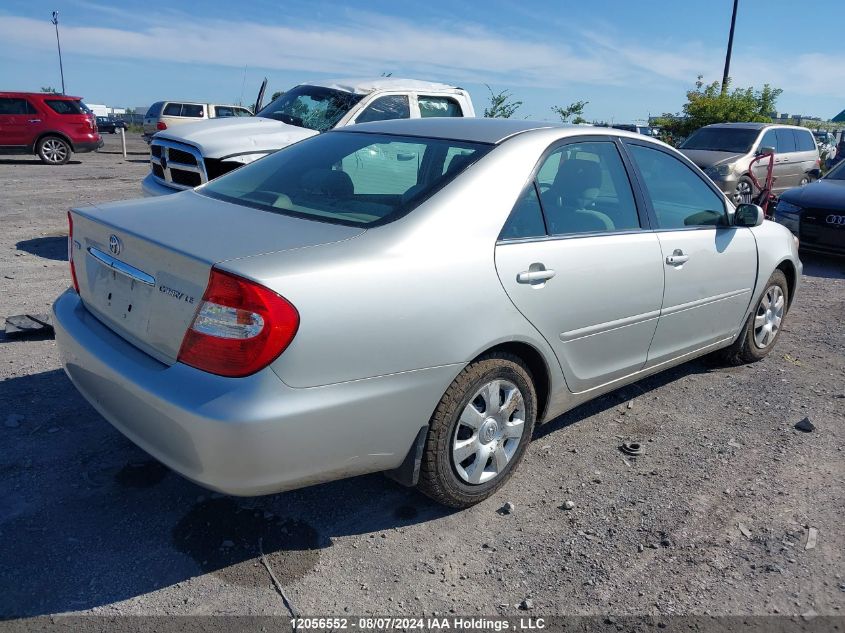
488,432
769,316
743,192
54,151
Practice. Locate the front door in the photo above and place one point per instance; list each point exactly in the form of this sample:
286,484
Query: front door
576,261
710,266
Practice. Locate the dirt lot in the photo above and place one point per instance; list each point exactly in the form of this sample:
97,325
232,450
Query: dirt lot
90,524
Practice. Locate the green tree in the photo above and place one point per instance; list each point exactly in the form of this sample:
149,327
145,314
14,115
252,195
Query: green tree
573,111
502,105
707,104
49,89
277,94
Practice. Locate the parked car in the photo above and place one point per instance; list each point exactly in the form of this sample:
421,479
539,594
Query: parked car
408,296
190,156
49,125
724,151
110,124
164,115
645,130
816,213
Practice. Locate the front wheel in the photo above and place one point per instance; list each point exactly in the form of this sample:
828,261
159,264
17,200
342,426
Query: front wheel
744,191
54,150
479,431
763,327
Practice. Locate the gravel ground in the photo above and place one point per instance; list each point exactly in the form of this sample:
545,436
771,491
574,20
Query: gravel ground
713,517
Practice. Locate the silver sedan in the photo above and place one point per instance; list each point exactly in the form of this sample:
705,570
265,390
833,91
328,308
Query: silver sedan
410,297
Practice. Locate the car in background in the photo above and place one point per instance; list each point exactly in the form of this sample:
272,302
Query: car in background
387,297
725,150
193,155
645,130
816,213
51,126
110,124
164,115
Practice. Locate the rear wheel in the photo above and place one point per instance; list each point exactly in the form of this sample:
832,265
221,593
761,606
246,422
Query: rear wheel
479,431
763,327
54,150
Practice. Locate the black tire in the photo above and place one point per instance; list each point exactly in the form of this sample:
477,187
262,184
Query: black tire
439,478
746,348
54,150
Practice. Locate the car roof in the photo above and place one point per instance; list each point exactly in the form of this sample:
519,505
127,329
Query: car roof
475,130
366,86
50,95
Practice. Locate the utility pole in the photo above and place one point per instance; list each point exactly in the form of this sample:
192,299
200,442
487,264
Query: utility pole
55,22
730,48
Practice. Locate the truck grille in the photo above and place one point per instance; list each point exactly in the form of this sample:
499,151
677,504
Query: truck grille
177,165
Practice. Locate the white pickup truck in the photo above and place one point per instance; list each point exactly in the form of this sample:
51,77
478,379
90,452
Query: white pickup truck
198,152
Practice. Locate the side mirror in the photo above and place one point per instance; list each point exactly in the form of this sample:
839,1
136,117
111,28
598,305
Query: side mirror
765,150
748,215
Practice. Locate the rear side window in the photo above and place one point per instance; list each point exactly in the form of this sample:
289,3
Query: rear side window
173,109
786,141
439,107
680,197
64,106
385,109
15,106
192,110
526,219
584,188
155,109
347,178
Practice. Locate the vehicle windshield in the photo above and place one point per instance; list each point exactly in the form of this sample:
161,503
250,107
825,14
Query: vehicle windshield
837,173
722,139
350,178
311,107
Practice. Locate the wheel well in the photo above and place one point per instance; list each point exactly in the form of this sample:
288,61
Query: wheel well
56,134
788,269
536,365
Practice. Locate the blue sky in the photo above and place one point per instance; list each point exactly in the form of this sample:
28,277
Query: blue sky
628,59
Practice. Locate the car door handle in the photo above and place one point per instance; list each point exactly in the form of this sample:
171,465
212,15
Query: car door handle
533,276
34,121
677,258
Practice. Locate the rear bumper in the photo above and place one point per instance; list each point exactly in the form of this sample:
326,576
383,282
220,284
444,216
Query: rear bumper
152,187
88,146
244,436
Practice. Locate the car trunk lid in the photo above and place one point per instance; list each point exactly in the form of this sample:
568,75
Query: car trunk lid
143,265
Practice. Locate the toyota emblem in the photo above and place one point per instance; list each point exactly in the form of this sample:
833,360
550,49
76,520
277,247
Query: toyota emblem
115,245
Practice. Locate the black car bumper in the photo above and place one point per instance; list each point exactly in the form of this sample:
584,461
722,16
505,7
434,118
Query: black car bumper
88,146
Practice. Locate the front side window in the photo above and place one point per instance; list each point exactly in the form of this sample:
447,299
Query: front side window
346,177
311,107
65,106
242,112
770,139
584,188
386,108
438,107
680,197
223,111
722,139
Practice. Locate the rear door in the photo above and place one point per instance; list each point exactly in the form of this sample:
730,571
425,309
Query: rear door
577,258
19,122
710,267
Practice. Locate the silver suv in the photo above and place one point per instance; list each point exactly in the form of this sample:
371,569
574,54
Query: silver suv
725,150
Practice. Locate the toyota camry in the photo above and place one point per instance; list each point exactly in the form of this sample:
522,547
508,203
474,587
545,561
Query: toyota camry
410,297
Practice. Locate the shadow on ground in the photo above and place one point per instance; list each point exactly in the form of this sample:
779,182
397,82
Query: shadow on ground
34,161
825,266
52,247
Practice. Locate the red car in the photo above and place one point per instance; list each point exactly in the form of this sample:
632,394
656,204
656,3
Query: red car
50,125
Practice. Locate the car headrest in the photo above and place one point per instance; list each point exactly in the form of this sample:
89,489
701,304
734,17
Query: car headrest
329,182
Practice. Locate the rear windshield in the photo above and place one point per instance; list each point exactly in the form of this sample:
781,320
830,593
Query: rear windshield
155,109
66,106
348,178
722,139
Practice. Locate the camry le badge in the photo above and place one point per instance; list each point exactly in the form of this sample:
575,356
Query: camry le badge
115,244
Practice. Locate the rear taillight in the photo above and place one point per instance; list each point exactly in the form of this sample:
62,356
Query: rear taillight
240,327
70,252
161,125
